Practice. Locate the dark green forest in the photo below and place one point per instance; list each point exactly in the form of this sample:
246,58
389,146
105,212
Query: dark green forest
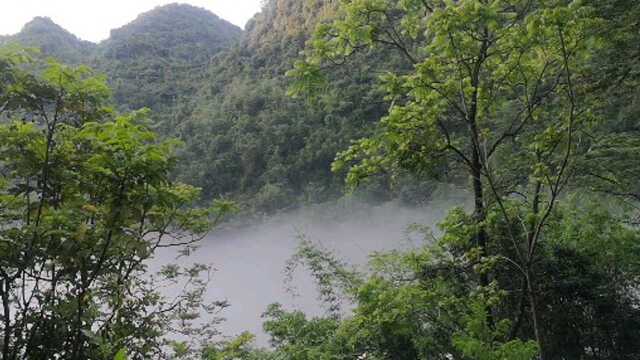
154,137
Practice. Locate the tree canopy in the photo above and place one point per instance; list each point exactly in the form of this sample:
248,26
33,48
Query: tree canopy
530,107
86,200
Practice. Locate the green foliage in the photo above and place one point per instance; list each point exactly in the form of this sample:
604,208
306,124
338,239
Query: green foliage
157,60
86,199
414,305
226,98
334,278
121,354
234,349
592,263
297,337
532,104
500,93
52,40
479,341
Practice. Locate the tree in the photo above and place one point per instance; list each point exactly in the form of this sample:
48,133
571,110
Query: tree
425,304
86,199
499,95
411,305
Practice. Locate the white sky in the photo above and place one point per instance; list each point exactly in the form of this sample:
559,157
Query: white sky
93,19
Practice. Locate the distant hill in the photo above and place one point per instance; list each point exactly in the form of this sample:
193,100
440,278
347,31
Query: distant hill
151,62
53,40
157,61
177,31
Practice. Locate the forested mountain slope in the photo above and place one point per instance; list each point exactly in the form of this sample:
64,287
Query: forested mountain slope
224,94
249,139
157,60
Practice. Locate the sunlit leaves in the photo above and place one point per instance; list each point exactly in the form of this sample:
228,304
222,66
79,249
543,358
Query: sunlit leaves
479,341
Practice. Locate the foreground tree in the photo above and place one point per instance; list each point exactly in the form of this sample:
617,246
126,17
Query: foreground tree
500,95
423,304
85,200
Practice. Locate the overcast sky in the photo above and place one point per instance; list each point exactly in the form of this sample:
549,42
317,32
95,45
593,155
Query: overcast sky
92,19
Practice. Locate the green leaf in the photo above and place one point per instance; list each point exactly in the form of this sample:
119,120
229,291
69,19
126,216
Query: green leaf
121,354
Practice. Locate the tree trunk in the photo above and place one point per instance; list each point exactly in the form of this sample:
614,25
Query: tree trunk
535,317
6,308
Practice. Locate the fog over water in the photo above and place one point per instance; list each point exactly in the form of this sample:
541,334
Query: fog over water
250,260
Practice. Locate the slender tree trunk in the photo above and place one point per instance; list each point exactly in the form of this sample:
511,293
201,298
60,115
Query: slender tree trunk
78,343
521,311
6,319
476,166
528,277
479,213
535,317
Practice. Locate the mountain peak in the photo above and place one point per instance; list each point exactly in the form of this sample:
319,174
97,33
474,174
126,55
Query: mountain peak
176,17
180,7
53,40
182,30
43,24
41,20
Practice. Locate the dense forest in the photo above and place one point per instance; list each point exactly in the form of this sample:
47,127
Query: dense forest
244,137
148,140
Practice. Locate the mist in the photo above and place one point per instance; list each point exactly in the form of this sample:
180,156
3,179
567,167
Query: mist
249,261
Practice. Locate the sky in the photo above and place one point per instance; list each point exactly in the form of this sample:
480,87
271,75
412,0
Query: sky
93,19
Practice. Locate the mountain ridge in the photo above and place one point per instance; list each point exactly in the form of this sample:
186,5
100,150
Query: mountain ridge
224,94
53,40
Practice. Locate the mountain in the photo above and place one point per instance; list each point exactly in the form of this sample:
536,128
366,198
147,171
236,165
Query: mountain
247,139
279,31
223,92
157,60
177,31
152,62
53,40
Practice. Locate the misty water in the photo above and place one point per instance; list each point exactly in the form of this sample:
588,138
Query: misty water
249,262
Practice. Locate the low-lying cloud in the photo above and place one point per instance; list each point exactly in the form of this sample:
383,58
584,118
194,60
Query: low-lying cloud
250,261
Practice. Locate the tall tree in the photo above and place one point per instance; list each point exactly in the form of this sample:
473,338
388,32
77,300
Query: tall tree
495,94
85,201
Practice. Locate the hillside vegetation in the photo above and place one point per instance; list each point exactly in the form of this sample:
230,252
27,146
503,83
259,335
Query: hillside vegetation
224,94
529,107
